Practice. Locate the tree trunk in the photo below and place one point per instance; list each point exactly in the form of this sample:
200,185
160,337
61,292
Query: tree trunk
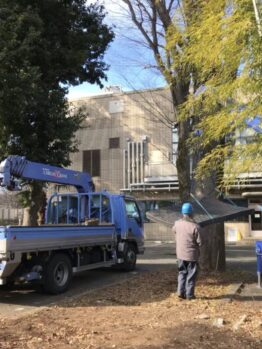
42,208
33,214
212,254
179,94
183,161
26,217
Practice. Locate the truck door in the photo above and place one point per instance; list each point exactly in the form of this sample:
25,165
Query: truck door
134,220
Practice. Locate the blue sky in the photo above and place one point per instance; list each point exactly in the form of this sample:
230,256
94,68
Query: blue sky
128,61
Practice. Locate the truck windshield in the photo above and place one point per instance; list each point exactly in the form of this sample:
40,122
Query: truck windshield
133,210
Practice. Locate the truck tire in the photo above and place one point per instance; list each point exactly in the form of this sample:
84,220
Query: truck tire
58,274
129,256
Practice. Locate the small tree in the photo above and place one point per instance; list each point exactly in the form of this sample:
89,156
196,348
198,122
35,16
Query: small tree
45,46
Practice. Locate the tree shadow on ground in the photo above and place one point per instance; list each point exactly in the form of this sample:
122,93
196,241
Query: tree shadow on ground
189,335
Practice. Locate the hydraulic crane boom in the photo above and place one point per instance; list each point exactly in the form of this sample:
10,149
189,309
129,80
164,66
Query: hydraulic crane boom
19,167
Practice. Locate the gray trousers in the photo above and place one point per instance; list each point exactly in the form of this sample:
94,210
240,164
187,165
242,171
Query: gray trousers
187,273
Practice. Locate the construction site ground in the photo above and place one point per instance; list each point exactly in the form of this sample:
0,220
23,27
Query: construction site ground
143,312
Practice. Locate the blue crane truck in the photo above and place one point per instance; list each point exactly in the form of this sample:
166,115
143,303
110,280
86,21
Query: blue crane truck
82,231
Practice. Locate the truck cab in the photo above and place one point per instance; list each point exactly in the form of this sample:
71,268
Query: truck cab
96,208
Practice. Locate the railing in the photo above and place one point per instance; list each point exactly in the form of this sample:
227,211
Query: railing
247,180
167,186
10,215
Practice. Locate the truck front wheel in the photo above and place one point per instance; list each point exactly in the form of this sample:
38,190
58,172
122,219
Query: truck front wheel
58,274
129,258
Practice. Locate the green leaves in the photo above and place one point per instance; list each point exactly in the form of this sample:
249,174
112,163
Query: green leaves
45,46
225,50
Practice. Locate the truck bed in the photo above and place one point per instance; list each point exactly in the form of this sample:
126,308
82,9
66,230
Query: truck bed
40,238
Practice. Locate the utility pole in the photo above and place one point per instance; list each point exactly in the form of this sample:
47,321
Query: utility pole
257,15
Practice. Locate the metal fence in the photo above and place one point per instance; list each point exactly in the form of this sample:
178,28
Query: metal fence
10,215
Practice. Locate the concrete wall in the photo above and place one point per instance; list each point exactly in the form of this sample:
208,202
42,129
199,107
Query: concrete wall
10,215
161,232
158,232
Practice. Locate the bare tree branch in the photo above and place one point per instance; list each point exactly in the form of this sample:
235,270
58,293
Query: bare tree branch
137,22
154,19
171,5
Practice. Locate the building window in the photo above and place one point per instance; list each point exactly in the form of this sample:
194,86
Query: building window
114,143
92,162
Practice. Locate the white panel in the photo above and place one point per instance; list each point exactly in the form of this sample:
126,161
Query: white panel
156,156
116,106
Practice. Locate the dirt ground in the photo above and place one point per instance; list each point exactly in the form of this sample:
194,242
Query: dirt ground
143,313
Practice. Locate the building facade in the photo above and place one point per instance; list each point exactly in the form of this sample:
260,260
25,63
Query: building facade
247,191
128,143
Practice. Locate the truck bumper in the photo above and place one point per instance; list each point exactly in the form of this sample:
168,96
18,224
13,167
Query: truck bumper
8,265
7,268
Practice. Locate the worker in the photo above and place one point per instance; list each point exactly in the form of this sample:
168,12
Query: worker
188,242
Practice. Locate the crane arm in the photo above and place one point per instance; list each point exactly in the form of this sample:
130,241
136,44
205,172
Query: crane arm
20,167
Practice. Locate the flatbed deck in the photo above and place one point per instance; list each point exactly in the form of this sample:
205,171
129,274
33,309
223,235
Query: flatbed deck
53,237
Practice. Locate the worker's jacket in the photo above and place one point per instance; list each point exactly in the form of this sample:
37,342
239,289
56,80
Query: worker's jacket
188,239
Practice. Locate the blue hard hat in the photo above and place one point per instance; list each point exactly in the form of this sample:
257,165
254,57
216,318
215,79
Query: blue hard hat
187,208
